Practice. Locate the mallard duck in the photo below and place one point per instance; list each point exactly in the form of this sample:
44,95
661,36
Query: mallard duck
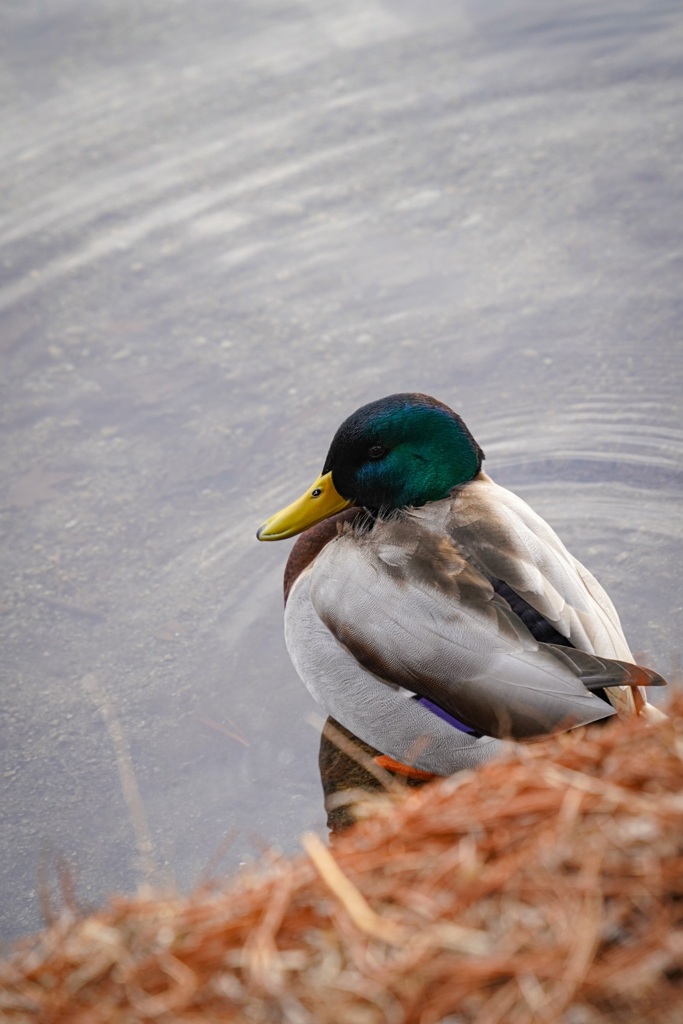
442,615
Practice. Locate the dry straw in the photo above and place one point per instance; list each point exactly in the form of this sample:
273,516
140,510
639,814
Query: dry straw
546,888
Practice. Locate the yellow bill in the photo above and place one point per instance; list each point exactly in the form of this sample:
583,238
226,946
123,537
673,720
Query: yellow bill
320,502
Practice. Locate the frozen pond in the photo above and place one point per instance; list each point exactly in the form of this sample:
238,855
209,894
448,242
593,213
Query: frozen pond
224,226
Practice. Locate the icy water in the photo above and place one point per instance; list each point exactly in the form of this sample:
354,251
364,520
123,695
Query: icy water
226,225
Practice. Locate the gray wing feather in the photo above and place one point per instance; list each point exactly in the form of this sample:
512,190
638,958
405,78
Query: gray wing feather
383,715
413,612
501,534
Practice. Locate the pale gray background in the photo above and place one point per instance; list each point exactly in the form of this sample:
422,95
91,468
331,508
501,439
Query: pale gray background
224,226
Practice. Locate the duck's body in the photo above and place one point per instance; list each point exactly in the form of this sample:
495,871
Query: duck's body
409,625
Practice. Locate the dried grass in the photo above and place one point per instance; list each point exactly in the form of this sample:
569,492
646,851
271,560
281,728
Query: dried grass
546,888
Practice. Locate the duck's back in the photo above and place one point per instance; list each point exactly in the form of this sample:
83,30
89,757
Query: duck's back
502,535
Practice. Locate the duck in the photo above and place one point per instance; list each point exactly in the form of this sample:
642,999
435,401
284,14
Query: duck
431,611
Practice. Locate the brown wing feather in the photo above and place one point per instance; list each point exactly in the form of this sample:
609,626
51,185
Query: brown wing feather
414,613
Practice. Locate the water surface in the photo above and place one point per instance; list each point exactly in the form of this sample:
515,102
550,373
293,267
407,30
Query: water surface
224,227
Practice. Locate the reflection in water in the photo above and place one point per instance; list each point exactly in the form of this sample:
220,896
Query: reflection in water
225,227
349,771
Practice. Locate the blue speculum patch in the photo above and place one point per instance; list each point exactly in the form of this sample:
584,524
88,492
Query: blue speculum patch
440,713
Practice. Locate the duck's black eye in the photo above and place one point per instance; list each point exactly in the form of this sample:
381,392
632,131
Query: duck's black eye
377,451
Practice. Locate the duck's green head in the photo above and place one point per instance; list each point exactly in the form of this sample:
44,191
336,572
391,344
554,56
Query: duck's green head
406,449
